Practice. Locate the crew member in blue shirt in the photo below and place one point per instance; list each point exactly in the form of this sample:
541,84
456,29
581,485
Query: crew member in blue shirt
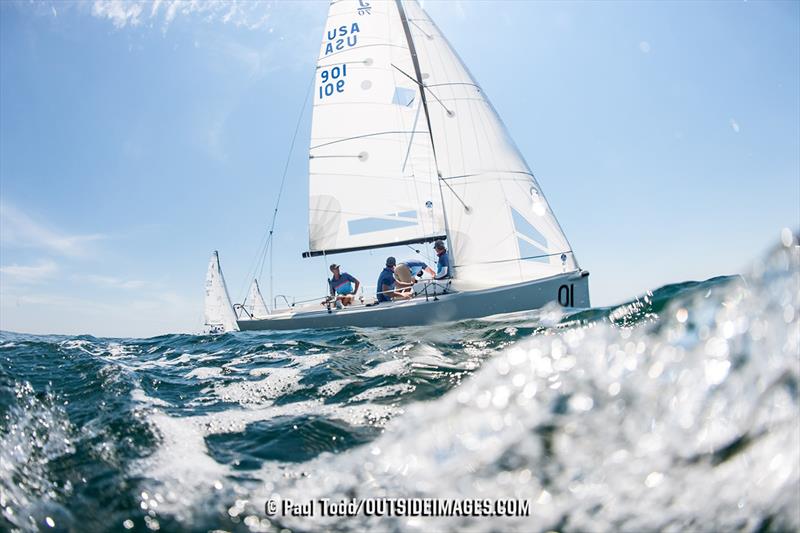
343,286
443,270
419,267
385,286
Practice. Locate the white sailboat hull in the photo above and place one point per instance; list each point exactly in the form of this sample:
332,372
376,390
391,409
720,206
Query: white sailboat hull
570,290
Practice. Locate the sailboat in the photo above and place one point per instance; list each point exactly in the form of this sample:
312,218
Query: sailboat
406,148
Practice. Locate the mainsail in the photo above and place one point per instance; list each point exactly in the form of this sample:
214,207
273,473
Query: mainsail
372,174
219,314
405,145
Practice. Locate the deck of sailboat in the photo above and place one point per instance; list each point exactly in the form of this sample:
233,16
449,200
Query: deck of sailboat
431,310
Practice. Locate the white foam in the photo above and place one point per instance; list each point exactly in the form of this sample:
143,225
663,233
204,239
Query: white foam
204,372
383,392
393,367
332,388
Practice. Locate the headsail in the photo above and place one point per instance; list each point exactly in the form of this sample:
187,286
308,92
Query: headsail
219,314
372,174
254,305
507,231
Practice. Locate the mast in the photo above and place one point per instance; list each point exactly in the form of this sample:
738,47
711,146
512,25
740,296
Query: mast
418,74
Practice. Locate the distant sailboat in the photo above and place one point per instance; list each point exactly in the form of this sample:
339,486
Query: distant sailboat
406,148
219,314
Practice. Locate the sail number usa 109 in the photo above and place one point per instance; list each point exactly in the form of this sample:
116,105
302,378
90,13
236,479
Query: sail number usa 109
332,80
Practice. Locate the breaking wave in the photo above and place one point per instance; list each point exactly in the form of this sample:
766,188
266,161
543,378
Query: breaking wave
675,411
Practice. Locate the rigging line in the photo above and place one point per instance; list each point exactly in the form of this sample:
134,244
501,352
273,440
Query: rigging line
493,171
518,259
418,73
411,139
423,86
358,156
254,266
412,21
375,134
466,207
268,245
449,114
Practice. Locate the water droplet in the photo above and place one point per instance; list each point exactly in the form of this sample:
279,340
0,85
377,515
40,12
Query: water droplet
653,479
786,237
581,402
716,370
500,397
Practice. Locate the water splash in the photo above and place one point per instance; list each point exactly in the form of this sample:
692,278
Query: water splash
675,411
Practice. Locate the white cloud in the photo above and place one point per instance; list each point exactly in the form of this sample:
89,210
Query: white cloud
251,14
30,273
19,229
116,283
735,126
120,12
644,46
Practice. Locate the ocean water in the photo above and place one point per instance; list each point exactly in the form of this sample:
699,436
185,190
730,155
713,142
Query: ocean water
676,411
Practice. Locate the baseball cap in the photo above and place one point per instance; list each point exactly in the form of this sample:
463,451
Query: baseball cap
334,266
391,261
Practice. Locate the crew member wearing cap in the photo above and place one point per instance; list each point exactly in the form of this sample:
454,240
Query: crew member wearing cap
386,284
341,285
443,264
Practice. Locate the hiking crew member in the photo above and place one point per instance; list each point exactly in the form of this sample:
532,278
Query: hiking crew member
343,286
386,284
443,264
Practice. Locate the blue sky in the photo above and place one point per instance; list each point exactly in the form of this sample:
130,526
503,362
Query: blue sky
137,137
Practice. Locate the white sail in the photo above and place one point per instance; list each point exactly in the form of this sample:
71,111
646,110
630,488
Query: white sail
372,174
219,314
507,232
254,305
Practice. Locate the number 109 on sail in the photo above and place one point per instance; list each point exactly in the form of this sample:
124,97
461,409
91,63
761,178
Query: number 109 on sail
332,80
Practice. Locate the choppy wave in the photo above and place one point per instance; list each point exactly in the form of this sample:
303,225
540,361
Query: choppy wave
675,411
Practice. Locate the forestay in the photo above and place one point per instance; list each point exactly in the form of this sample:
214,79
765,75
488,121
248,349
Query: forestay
372,174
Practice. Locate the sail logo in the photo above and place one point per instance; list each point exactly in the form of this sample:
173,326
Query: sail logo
363,8
342,37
